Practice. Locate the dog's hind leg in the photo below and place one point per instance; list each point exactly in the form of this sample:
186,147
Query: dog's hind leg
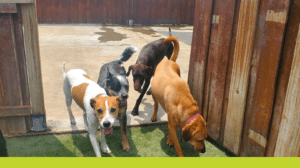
85,121
104,145
68,99
154,116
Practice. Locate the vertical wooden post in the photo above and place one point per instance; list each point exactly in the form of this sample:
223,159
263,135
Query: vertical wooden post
199,51
32,52
288,142
240,74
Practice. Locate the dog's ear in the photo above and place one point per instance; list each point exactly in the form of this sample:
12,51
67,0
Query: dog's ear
92,103
148,72
129,69
188,131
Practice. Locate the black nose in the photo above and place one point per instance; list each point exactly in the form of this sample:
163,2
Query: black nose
106,124
203,150
124,96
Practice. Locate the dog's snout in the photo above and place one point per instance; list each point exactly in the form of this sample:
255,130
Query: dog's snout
124,96
203,150
106,124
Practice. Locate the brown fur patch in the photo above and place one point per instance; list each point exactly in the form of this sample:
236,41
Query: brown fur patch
112,102
86,76
78,94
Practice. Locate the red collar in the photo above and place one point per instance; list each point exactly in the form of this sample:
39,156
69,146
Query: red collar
192,117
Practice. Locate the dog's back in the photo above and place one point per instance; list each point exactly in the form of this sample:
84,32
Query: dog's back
154,52
167,78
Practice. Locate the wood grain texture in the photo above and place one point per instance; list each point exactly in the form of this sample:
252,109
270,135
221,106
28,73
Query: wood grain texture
8,111
265,63
17,1
145,12
221,30
284,74
199,50
9,70
8,8
31,41
288,143
240,74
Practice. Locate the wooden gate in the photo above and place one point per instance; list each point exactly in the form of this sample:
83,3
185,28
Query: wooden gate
21,94
244,74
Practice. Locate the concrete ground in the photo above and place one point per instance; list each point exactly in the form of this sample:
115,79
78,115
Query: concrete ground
88,47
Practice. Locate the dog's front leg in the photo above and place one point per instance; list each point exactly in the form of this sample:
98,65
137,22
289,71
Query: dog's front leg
92,129
123,126
94,141
135,110
104,145
173,136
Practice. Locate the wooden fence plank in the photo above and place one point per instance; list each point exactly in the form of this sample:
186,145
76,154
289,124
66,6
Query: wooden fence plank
20,52
288,143
31,41
284,74
9,70
240,74
229,69
265,63
146,12
16,1
8,111
221,30
8,8
199,49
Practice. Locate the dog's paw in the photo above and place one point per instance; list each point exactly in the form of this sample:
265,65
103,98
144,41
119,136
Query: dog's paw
126,148
170,142
154,118
135,112
73,122
106,149
149,92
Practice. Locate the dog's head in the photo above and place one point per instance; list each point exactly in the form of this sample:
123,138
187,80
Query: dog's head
139,72
106,109
118,85
196,132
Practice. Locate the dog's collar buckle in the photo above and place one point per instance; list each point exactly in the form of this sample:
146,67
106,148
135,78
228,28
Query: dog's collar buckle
192,117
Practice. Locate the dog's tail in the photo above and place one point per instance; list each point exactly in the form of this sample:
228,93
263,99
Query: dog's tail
176,47
127,53
63,68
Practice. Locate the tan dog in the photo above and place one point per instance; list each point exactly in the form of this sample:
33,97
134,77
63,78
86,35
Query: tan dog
173,94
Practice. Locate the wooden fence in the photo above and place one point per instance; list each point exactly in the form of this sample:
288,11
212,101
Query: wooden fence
21,92
245,74
145,12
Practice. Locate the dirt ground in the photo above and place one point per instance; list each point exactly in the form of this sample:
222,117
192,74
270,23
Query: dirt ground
88,47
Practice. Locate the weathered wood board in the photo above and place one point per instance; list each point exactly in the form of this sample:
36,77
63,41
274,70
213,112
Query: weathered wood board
240,74
199,51
221,31
265,62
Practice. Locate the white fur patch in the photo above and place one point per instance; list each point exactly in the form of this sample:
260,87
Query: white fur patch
108,116
122,79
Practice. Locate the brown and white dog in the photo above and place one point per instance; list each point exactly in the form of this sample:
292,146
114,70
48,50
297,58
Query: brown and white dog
98,108
173,94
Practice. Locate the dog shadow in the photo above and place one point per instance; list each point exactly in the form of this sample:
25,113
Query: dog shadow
114,141
188,150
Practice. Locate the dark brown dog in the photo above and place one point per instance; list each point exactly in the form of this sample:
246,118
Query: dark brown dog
173,94
150,55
